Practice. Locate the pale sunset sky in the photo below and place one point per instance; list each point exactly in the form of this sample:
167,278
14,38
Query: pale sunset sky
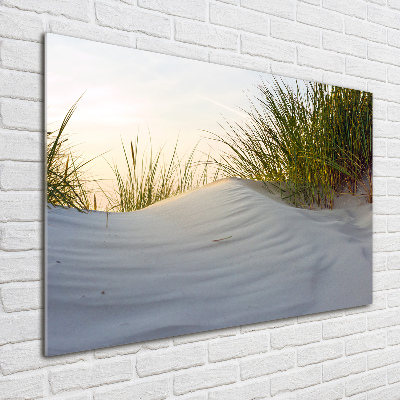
130,92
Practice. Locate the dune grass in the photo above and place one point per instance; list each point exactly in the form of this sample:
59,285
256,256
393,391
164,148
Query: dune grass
66,185
152,179
147,181
312,142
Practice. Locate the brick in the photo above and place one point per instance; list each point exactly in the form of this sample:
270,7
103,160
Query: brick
76,9
28,356
379,226
296,335
365,382
320,59
393,171
17,175
354,8
393,336
387,280
344,367
284,9
131,348
84,395
20,236
22,296
343,327
296,71
393,261
365,342
268,325
267,364
393,38
380,189
294,380
383,54
319,316
19,327
394,4
393,111
239,61
387,393
238,18
381,2
365,69
21,146
23,266
204,378
247,391
198,396
268,48
393,298
347,81
386,242
294,32
315,2
318,353
393,75
172,48
393,374
393,147
22,114
380,149
384,91
23,386
319,17
90,375
344,44
379,302
193,9
331,391
384,16
155,389
22,56
87,31
130,19
383,319
379,110
20,206
382,358
16,25
205,35
237,347
197,337
158,362
386,203
365,30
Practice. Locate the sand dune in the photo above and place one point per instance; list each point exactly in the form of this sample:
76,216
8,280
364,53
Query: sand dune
164,270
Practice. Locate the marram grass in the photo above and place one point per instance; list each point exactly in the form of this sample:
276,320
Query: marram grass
147,181
151,179
311,143
66,186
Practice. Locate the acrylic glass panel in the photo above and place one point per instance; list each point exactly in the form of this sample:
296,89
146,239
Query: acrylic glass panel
185,196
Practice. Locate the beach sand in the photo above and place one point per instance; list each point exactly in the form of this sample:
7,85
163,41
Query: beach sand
227,254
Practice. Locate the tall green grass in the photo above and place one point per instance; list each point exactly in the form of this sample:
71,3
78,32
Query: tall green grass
150,179
312,142
66,186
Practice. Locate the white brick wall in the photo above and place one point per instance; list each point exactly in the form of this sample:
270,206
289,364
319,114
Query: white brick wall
342,354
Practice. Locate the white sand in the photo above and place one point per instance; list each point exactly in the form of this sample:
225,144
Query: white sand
158,272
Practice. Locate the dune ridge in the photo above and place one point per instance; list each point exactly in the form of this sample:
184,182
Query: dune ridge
226,254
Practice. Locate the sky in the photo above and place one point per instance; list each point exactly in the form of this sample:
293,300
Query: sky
129,92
